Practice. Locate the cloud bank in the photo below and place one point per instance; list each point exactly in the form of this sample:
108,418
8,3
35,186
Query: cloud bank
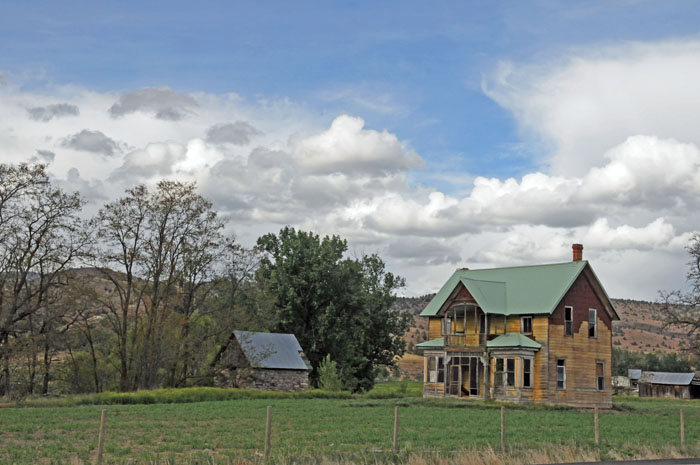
620,167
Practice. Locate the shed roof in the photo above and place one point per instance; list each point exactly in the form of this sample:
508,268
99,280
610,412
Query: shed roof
271,350
634,373
521,290
660,377
509,340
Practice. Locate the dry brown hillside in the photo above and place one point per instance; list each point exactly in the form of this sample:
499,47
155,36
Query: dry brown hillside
638,329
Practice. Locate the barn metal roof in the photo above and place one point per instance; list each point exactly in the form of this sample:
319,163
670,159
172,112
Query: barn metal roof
271,350
660,377
634,373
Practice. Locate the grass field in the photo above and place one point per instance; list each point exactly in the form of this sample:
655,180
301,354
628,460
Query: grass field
308,429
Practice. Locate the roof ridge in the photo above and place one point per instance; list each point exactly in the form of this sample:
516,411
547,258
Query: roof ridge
519,266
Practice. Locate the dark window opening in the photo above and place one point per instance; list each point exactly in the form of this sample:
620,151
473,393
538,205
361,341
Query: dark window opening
568,321
510,372
600,375
592,322
526,324
527,370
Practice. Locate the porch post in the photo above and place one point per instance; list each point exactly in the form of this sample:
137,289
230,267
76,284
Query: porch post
486,375
425,369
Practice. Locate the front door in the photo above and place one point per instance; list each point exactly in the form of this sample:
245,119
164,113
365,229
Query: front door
474,377
455,381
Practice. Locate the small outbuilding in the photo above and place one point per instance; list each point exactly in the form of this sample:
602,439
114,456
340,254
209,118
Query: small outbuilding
269,361
634,374
662,384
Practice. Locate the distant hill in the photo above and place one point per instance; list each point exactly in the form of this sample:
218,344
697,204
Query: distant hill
639,328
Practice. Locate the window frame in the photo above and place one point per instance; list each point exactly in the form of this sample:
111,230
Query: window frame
569,323
522,324
527,372
440,368
595,323
432,369
600,379
509,372
561,365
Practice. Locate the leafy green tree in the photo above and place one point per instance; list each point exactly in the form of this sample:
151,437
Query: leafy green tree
334,305
624,360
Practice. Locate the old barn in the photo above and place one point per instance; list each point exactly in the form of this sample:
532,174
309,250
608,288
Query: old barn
269,361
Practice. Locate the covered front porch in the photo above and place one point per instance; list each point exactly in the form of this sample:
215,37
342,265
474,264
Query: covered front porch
455,374
504,370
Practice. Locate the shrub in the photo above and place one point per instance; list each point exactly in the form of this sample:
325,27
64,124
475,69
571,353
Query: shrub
328,377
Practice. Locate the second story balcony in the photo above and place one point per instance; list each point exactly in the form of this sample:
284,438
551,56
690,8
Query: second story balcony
465,340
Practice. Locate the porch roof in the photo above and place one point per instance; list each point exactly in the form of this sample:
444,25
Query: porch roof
439,342
509,340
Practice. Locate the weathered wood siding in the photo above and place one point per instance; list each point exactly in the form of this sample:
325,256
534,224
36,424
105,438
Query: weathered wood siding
540,333
434,327
580,351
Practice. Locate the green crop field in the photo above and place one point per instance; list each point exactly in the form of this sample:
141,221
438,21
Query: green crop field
306,428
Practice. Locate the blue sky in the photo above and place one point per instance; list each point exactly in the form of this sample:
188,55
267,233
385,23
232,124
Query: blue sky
427,75
411,67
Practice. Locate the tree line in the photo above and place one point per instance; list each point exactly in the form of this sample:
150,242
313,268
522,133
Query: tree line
144,294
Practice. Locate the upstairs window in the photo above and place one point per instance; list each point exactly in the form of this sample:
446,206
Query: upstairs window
568,321
600,375
446,325
526,325
527,373
460,321
561,374
592,322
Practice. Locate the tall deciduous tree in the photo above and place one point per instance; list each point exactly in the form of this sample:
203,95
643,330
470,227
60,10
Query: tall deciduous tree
40,237
164,243
333,304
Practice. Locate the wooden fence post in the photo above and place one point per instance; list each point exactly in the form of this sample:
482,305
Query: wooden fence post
396,429
503,430
268,431
597,426
682,429
101,438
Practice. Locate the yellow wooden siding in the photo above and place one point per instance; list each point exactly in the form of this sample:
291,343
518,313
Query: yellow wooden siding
434,328
581,354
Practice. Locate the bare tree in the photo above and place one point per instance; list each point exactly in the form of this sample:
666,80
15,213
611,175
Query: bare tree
164,241
42,236
681,309
120,227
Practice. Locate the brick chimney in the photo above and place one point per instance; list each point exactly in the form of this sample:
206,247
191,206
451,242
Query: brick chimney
578,252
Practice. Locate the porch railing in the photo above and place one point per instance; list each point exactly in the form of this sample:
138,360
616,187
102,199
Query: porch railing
465,340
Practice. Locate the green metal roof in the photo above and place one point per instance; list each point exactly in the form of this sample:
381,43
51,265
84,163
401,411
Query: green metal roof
522,290
513,340
439,342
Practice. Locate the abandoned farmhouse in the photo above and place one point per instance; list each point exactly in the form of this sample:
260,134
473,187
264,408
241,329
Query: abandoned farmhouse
539,333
